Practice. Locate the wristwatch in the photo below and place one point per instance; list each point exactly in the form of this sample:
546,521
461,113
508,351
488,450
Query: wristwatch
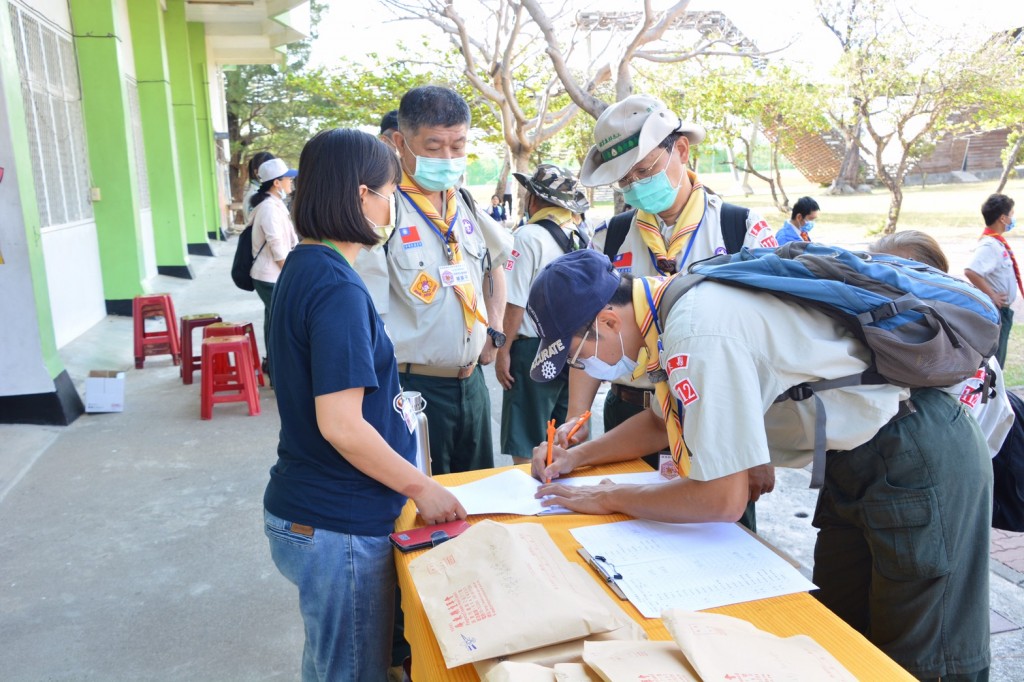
497,337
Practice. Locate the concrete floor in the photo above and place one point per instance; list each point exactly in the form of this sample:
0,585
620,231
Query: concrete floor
133,546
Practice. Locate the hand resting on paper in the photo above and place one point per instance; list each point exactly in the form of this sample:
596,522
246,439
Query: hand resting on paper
436,504
584,499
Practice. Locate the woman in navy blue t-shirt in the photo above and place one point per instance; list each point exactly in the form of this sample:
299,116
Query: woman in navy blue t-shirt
344,467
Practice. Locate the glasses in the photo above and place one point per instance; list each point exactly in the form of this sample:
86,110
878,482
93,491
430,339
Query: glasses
642,176
574,360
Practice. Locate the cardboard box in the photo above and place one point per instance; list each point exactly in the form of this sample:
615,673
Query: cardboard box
104,391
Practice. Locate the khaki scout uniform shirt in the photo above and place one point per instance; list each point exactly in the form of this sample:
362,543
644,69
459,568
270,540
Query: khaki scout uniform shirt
428,328
634,258
534,248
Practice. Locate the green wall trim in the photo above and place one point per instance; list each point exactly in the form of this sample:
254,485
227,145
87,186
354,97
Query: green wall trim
111,148
158,131
207,154
10,80
179,65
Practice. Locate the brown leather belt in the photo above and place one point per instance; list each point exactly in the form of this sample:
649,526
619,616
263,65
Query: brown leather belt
640,397
438,372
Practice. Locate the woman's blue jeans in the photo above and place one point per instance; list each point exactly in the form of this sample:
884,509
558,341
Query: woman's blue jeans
346,597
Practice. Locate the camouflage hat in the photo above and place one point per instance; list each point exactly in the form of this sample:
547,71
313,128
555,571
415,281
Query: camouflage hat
557,186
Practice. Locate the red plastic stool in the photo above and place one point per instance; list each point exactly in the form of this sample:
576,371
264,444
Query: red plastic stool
155,343
235,329
238,385
190,362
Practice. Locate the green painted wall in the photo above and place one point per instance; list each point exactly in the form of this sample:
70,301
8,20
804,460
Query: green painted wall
147,27
207,157
111,152
10,80
179,63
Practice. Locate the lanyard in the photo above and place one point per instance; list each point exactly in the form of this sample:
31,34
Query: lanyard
443,237
657,327
689,244
336,250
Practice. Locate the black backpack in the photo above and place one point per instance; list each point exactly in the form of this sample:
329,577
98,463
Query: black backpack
734,229
1008,474
561,238
243,261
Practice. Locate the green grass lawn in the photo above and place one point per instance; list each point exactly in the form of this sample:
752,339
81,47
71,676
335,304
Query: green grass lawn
950,213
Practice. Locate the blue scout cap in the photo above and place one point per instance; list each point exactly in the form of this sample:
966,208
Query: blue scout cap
566,295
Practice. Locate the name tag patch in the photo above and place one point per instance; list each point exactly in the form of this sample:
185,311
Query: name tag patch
680,361
456,274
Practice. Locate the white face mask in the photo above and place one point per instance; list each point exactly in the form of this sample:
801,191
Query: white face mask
599,369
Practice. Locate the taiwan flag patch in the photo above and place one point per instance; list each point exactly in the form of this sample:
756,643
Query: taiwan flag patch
410,237
624,262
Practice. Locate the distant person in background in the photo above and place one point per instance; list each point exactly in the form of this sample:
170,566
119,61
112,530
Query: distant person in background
273,237
507,199
993,269
497,210
257,159
388,127
800,223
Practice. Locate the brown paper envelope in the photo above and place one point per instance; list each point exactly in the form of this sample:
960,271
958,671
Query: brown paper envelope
638,662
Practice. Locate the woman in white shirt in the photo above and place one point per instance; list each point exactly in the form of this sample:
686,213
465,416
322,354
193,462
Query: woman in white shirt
257,160
273,235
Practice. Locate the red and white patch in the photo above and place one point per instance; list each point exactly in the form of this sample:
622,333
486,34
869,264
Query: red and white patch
758,227
686,392
681,361
510,263
970,396
515,254
769,242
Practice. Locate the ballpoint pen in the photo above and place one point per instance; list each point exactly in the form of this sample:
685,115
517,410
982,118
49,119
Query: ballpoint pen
551,444
579,424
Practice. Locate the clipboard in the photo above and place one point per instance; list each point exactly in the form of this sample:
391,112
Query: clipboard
605,572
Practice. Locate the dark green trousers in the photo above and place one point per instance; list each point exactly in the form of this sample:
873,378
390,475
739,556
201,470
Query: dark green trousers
903,541
1005,325
617,411
459,420
528,406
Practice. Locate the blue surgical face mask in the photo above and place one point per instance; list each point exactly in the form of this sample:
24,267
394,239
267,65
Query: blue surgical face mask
437,175
599,369
808,226
1013,224
654,194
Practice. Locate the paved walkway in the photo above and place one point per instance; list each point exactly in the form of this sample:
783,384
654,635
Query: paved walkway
133,544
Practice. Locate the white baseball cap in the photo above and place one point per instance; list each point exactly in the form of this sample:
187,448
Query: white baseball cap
626,132
274,169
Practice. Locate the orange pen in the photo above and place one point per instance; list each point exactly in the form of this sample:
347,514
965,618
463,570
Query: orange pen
579,424
551,443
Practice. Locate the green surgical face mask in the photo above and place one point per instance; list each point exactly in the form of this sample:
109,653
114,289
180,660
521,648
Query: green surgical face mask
654,194
437,175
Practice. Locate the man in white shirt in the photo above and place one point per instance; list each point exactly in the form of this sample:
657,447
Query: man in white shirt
904,511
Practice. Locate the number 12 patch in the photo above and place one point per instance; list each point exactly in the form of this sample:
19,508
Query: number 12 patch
686,392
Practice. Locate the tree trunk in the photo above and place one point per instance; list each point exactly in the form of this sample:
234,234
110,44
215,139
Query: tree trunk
237,177
894,206
1011,161
785,207
506,168
521,160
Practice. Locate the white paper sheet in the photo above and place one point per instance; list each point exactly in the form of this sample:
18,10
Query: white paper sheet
512,492
689,566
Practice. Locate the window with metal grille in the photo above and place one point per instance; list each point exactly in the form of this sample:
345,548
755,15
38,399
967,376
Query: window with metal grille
53,116
140,148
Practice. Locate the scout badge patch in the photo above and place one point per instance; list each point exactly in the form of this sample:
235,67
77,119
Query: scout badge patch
425,287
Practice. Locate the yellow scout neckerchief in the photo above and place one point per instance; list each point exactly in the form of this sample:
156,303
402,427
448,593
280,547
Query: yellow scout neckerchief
445,230
649,363
562,217
664,256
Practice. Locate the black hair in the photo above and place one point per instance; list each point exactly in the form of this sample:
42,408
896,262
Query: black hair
389,121
995,207
495,196
255,161
434,106
622,295
670,141
334,164
261,194
804,206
